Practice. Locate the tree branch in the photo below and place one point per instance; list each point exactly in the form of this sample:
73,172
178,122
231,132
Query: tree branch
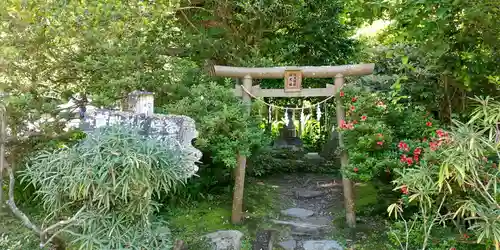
12,204
27,222
64,222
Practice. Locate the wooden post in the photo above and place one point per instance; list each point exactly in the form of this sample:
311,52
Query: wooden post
239,180
3,117
344,161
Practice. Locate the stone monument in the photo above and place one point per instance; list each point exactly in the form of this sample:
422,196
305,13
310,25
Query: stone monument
175,130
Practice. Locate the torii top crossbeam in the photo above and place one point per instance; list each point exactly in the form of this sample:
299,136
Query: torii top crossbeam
307,71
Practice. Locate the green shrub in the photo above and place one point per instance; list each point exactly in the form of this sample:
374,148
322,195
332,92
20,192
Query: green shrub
117,175
225,128
442,238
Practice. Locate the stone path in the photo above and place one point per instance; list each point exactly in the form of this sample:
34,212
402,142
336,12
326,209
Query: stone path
306,216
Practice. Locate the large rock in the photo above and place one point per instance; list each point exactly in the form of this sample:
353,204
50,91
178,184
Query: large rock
322,245
224,240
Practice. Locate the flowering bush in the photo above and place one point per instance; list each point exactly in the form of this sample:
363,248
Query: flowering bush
373,135
455,179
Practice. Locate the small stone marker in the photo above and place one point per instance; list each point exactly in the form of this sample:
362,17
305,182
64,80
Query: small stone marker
322,245
297,212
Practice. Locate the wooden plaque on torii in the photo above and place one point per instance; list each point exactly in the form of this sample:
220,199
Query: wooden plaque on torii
293,80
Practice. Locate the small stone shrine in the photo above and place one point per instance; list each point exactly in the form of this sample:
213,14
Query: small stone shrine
288,135
175,130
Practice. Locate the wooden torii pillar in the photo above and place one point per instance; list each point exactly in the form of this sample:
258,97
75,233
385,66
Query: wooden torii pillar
293,77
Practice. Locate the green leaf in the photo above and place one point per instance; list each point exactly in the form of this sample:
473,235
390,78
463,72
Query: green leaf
404,60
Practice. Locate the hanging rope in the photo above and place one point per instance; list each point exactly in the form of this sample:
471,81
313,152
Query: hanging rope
281,107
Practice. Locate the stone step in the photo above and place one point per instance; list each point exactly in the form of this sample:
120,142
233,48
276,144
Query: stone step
307,194
321,245
304,227
294,244
297,212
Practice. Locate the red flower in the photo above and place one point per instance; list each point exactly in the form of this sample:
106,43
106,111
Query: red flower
354,99
404,189
341,93
417,151
356,170
363,118
452,248
406,159
409,161
380,143
403,146
355,122
466,236
416,157
428,124
343,124
403,158
433,145
379,135
441,133
424,139
353,108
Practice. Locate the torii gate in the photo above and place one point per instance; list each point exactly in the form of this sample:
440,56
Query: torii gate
293,80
